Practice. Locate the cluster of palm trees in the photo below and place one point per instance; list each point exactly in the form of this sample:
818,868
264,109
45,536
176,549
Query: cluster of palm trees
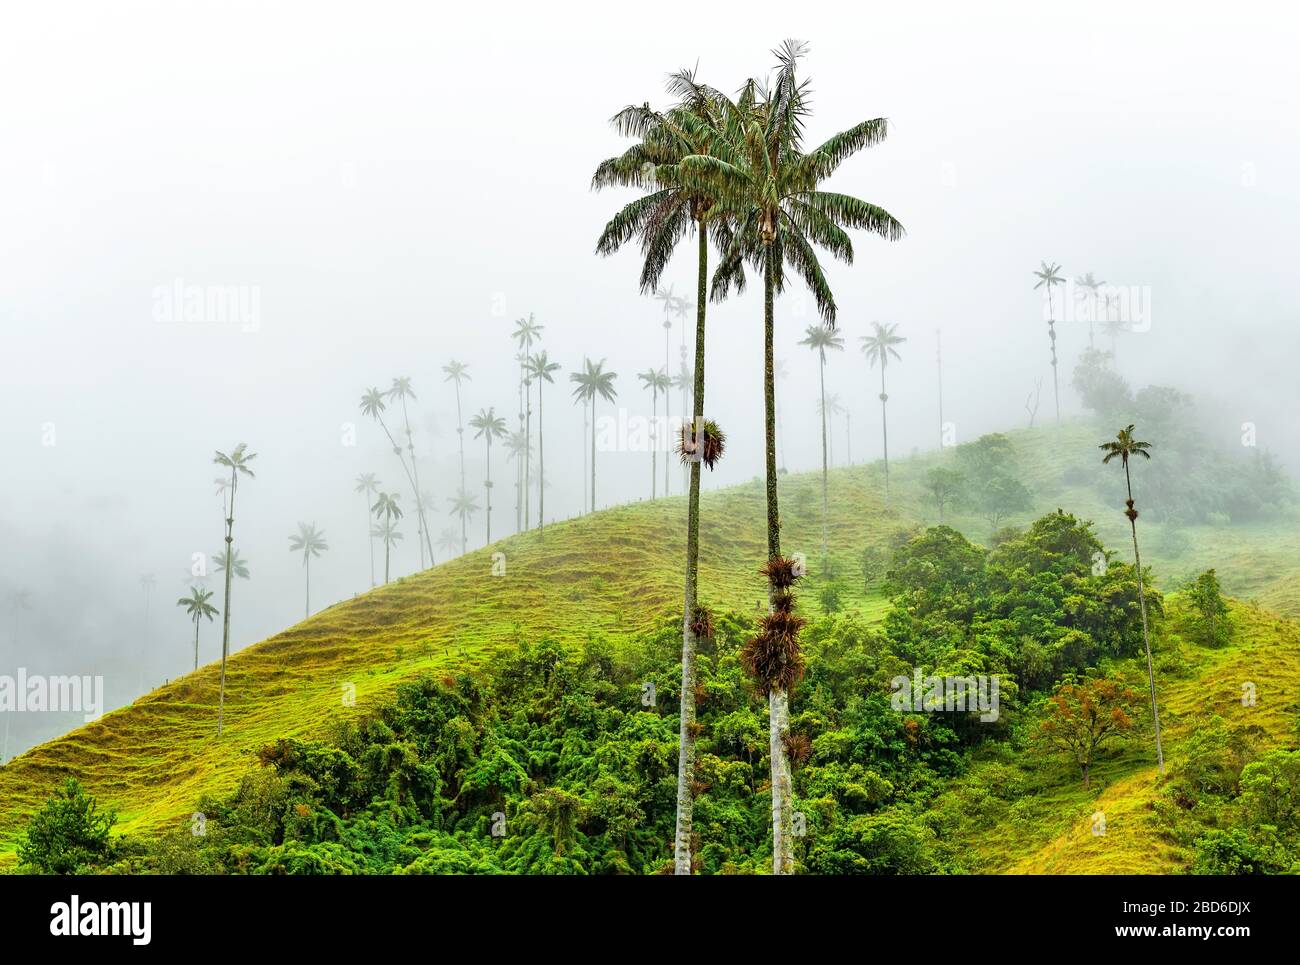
737,172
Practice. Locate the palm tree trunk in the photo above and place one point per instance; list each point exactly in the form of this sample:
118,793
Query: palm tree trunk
372,542
487,487
668,404
884,425
1146,635
593,452
686,738
541,461
415,488
196,645
225,612
654,443
306,565
778,703
528,455
423,537
388,545
460,432
1051,334
821,374
585,498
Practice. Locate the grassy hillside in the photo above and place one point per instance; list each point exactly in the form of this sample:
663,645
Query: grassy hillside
618,573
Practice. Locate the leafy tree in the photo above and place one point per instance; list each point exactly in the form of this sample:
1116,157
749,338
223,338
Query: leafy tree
236,461
69,835
1270,791
1206,597
1081,717
944,487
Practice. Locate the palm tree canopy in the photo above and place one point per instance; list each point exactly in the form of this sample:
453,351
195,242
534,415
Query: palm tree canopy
449,540
655,380
456,372
239,568
1124,445
309,540
463,504
386,505
373,404
594,381
1048,275
540,367
401,389
879,346
237,460
517,443
526,332
765,185
197,605
821,338
387,531
367,483
488,424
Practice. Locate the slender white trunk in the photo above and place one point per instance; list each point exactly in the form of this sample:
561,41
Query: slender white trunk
778,709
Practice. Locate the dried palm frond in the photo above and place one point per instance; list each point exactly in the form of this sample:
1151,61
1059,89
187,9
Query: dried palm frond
782,571
710,443
772,656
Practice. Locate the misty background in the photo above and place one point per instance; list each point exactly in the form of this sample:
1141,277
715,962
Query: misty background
399,183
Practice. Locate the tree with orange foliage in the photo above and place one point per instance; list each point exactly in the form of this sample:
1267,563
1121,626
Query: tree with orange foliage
1083,715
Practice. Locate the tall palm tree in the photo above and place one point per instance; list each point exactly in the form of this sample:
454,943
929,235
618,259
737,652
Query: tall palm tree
878,347
386,508
388,534
464,506
449,540
458,372
221,561
309,541
488,426
236,461
197,607
147,583
517,451
367,486
526,332
593,383
819,338
766,184
1125,446
373,404
1049,275
540,369
656,381
401,389
660,218
1090,288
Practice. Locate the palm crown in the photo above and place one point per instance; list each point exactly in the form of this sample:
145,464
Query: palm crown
456,372
197,605
540,367
236,460
821,338
594,381
463,504
309,541
488,424
239,568
879,346
526,332
367,483
1048,275
1124,446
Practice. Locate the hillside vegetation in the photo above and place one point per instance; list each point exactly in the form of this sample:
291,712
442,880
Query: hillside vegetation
614,577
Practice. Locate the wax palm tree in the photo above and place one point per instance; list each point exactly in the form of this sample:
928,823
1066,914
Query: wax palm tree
197,607
878,347
526,332
819,338
387,532
238,568
1125,446
540,369
766,184
517,451
373,404
660,218
387,511
488,426
449,540
147,583
1089,288
19,602
464,506
1049,275
457,373
236,461
367,486
593,383
309,541
401,390
829,409
655,381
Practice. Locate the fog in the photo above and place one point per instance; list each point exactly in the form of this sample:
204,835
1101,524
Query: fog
391,186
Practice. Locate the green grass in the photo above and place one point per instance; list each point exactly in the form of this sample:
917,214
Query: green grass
619,573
